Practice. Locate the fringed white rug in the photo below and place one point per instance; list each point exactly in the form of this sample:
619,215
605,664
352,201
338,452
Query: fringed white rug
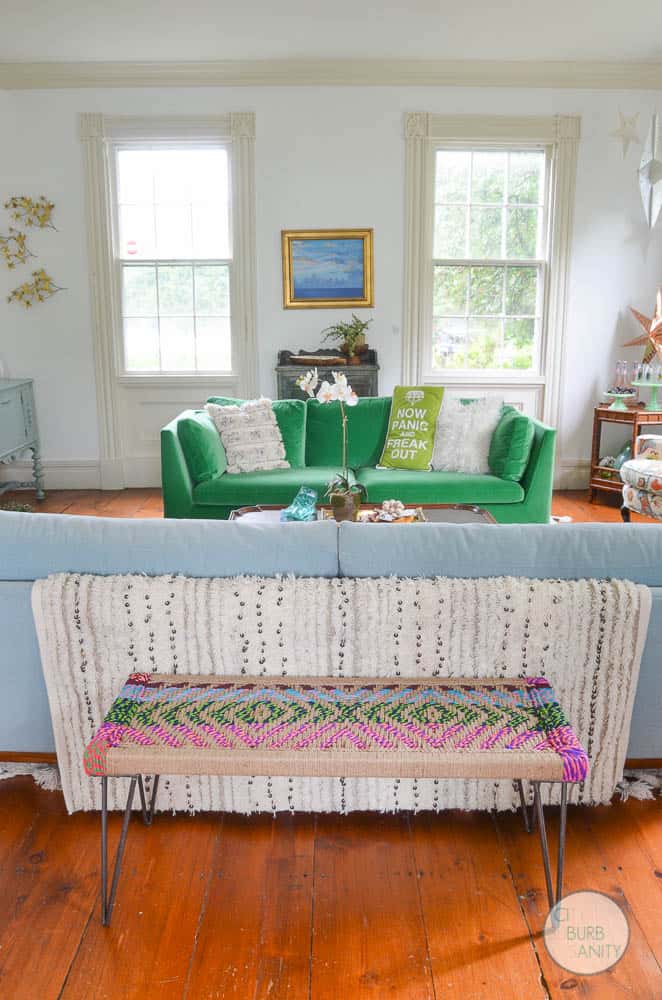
586,636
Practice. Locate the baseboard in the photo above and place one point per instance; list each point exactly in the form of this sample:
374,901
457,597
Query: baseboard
74,474
27,757
142,471
572,474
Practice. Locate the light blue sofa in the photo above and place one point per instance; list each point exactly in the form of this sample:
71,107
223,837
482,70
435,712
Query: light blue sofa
32,546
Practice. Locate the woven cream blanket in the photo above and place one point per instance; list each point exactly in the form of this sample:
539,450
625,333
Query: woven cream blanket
585,636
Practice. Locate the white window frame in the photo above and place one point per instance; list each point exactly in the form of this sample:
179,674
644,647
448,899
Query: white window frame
424,135
101,136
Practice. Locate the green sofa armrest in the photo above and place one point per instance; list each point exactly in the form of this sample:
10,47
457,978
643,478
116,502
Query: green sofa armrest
538,478
176,480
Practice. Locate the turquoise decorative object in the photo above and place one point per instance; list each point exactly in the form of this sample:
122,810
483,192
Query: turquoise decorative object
303,507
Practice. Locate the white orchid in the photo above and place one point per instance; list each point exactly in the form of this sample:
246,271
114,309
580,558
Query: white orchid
327,392
309,382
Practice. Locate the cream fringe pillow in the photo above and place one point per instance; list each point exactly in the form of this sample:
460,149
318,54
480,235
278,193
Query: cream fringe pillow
250,435
463,434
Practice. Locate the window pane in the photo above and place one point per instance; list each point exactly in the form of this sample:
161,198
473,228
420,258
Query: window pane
486,291
450,291
484,343
488,174
486,226
139,291
141,345
211,230
526,177
212,290
173,175
213,344
176,290
137,232
448,338
450,231
174,236
519,343
522,235
135,176
177,344
521,291
452,179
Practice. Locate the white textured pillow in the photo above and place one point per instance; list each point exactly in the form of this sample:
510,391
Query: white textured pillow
250,435
463,434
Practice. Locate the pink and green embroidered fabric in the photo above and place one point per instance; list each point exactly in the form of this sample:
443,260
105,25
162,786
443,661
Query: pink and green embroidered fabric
343,727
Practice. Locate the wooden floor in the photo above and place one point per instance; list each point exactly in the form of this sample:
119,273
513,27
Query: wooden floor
147,503
312,907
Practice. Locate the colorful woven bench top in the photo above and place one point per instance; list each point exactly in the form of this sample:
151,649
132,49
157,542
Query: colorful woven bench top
345,727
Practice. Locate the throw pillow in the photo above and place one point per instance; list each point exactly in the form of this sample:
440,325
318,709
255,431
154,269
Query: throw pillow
250,436
511,445
410,435
464,433
291,419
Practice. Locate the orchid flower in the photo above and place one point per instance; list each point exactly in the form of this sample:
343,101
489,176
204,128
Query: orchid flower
327,392
309,382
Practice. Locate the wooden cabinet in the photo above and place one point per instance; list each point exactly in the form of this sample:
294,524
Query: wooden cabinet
363,378
637,421
18,431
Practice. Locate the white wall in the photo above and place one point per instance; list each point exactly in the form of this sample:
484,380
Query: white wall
325,157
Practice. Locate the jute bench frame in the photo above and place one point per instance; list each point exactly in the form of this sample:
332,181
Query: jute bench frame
460,728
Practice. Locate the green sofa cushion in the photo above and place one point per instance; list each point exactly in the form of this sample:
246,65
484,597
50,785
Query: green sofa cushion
291,419
366,430
202,445
436,487
511,443
276,486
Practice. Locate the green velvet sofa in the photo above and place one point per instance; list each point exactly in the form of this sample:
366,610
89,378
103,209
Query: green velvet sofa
196,485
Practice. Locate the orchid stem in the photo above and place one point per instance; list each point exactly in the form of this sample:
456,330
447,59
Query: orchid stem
344,442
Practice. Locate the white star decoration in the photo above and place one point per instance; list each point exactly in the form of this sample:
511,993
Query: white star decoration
650,173
626,131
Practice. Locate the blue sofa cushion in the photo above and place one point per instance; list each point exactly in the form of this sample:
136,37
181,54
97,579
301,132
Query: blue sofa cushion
35,545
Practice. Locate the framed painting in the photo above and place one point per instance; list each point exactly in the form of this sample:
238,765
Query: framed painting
327,268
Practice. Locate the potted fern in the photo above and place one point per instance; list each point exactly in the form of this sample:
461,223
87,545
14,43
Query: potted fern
350,334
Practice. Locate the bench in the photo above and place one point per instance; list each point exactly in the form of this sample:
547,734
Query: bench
464,728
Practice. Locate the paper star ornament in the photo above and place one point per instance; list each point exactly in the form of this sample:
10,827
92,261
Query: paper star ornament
653,331
627,130
650,174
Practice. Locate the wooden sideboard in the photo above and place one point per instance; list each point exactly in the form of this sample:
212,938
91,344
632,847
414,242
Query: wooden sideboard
363,378
18,432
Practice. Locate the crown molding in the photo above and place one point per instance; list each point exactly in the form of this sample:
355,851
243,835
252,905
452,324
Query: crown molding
333,72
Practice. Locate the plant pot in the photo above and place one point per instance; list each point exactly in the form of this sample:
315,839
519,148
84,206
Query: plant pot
353,359
345,506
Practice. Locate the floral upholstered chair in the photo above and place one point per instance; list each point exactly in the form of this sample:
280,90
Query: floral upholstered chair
642,479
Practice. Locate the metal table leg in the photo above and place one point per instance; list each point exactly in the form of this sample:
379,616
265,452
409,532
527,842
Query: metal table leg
552,898
525,809
148,814
108,901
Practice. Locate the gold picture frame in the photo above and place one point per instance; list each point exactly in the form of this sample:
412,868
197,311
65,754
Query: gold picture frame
327,268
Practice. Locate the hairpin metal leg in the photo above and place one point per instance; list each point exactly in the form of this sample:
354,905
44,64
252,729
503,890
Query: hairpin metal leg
553,899
148,814
525,809
108,901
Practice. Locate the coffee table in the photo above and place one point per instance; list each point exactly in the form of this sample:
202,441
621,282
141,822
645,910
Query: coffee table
435,513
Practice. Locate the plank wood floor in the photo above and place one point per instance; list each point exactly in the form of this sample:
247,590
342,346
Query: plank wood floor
327,907
148,503
410,907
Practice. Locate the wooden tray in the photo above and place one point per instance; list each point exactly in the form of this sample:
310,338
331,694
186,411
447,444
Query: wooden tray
318,361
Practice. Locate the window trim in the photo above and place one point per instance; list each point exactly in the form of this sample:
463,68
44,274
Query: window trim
99,135
115,146
424,134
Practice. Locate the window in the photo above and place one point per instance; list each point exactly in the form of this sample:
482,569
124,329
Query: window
488,259
489,212
174,249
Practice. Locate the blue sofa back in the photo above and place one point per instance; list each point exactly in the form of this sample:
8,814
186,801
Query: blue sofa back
33,546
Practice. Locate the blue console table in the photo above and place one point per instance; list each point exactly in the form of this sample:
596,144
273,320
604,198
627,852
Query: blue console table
18,432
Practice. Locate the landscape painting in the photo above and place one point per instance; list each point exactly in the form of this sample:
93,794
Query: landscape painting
326,268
